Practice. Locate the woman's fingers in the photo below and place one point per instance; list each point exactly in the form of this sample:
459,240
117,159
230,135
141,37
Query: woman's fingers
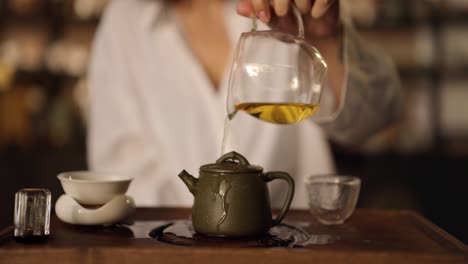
321,16
262,9
281,7
245,8
321,7
317,8
252,8
303,6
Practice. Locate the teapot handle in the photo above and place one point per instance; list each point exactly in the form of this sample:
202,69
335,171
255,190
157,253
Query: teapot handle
297,15
270,176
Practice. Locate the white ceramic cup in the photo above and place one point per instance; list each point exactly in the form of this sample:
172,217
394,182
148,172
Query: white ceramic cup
93,188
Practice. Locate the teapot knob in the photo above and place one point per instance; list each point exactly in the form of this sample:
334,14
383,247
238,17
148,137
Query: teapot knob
234,156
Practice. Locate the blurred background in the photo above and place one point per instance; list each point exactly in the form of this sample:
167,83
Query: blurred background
421,163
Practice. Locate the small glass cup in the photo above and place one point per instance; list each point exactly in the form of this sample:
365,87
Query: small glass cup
32,215
332,198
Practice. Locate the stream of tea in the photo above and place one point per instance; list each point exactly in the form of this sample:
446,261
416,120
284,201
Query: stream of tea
227,123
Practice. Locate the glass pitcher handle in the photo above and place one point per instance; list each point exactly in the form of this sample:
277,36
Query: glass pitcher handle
297,15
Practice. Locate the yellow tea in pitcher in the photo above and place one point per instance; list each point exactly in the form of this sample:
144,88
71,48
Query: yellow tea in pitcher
278,113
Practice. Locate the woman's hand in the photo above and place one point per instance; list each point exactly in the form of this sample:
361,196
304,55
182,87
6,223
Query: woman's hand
321,17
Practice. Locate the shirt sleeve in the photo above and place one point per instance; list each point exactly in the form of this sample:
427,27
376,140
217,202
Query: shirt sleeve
371,94
118,136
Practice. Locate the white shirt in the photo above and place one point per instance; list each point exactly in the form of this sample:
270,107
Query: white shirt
154,111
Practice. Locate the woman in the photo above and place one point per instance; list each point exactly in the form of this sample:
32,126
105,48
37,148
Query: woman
158,83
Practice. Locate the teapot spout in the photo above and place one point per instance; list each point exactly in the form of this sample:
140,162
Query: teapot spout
190,181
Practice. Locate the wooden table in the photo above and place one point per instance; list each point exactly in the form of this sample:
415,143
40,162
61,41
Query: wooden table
369,236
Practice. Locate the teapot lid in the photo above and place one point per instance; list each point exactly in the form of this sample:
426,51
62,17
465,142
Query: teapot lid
231,162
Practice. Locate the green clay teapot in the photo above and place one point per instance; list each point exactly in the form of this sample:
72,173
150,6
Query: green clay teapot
231,198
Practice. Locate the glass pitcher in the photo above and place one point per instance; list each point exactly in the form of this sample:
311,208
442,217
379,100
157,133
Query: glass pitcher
276,77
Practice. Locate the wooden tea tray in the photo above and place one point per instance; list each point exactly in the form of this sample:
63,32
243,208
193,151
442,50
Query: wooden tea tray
369,236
